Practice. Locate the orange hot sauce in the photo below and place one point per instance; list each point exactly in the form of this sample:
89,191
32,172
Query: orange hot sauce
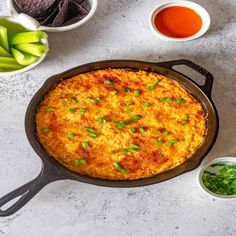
178,22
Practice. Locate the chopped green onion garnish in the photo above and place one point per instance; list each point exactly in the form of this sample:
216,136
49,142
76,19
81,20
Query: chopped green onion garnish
46,130
168,100
136,117
172,141
119,167
85,144
136,93
108,82
158,142
146,104
114,92
72,110
79,162
166,133
127,110
82,111
184,117
92,135
71,136
74,100
121,124
95,100
150,88
49,109
127,90
89,129
180,100
132,130
184,122
141,130
156,81
101,120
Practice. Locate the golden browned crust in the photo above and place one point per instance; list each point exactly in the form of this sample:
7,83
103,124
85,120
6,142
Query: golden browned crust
92,130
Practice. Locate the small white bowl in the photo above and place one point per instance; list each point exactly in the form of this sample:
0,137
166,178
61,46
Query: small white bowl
227,160
33,24
194,6
26,68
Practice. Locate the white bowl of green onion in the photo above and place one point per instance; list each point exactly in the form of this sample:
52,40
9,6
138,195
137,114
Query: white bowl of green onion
218,177
20,49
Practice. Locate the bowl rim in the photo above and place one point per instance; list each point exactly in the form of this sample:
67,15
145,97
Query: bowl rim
92,11
206,20
29,67
204,167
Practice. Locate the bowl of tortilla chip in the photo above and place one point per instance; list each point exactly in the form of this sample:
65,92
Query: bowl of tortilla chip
52,15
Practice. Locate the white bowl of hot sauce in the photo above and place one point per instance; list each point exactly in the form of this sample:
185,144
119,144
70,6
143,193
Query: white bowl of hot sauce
179,21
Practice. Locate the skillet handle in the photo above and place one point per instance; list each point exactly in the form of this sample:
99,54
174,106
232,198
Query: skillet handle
207,87
26,192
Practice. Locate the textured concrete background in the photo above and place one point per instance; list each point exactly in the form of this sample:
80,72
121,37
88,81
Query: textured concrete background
176,207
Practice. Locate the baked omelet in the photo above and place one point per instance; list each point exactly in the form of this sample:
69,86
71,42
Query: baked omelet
120,124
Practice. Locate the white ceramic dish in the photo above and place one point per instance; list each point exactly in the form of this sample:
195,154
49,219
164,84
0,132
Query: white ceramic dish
194,6
33,24
227,160
44,41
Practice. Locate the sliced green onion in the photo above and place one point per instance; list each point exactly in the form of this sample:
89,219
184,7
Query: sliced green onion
46,130
127,110
35,49
23,58
136,117
146,104
89,129
156,81
184,122
180,100
171,141
27,37
150,88
71,136
4,52
168,100
121,124
141,130
127,90
82,111
72,110
184,117
108,82
79,162
158,142
74,99
49,109
119,167
114,92
92,135
166,133
132,130
85,144
101,120
95,100
4,38
136,93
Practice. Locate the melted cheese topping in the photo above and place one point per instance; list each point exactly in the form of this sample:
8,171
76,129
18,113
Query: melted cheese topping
120,124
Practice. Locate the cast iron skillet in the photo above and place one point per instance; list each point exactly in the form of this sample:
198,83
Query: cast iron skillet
52,170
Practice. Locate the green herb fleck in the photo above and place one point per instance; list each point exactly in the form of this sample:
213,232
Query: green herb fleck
132,130
127,90
171,141
136,117
92,135
150,88
94,100
166,133
158,142
136,93
127,110
49,109
114,92
121,124
46,130
90,130
101,120
168,100
141,130
71,136
156,81
72,110
146,104
180,100
108,82
85,144
184,117
82,111
119,167
184,122
79,161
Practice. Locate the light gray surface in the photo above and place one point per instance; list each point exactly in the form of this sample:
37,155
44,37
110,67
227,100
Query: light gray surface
177,207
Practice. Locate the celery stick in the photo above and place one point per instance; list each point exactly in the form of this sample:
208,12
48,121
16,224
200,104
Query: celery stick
35,49
4,53
4,38
27,37
9,63
23,58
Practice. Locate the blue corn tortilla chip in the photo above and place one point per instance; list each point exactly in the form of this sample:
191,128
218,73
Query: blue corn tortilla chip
54,13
